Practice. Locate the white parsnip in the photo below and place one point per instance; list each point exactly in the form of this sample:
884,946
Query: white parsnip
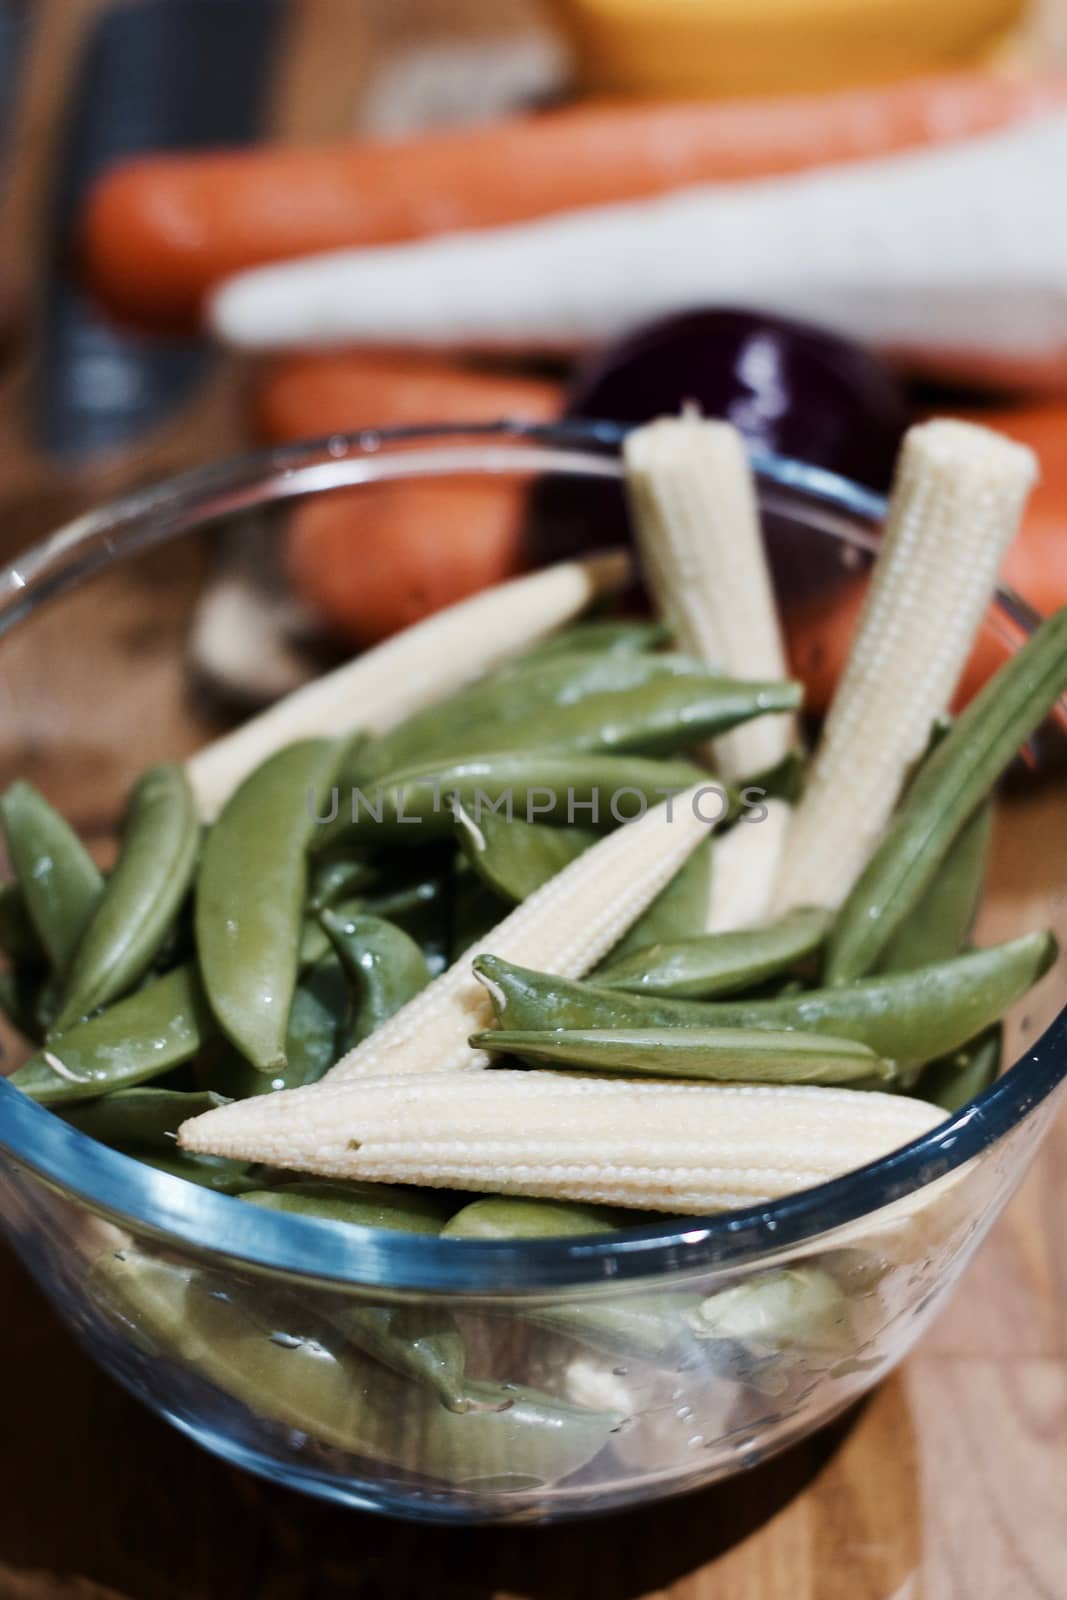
956,503
744,870
412,670
665,1146
564,928
960,249
693,500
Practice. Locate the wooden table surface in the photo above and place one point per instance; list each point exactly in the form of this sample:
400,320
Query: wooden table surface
950,1483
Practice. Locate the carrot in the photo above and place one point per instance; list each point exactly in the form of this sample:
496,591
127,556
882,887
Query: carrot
819,631
162,230
376,559
307,396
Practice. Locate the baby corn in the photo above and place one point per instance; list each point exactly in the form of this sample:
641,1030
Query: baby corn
957,499
423,664
693,500
744,870
672,1147
565,928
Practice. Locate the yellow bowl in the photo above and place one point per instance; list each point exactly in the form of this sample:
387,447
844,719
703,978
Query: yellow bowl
736,47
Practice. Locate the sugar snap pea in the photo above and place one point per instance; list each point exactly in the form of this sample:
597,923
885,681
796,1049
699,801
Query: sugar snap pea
314,1039
940,923
158,1027
512,694
717,1055
341,879
508,1217
598,790
141,898
383,964
660,718
777,1319
59,880
250,896
146,1119
365,1205
287,1363
720,963
647,1326
908,1018
678,912
516,858
419,1342
608,638
218,1173
951,785
959,1077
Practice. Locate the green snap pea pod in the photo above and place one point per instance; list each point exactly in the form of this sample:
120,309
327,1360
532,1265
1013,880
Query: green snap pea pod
142,1037
250,898
952,784
364,1205
957,1078
660,718
421,1343
141,898
774,1320
18,940
336,881
288,1364
678,912
716,1055
217,1173
650,1327
515,858
719,963
512,694
505,1217
418,1342
608,638
598,790
146,1119
384,965
314,1039
59,880
941,922
909,1018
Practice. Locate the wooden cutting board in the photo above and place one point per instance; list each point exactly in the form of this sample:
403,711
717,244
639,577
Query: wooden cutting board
950,1483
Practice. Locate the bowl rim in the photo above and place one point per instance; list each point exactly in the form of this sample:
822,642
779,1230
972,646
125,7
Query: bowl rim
182,1214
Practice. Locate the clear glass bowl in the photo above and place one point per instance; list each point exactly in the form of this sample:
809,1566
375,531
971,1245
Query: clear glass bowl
638,1364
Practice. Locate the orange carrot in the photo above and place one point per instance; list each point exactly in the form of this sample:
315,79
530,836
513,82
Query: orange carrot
375,559
162,230
307,396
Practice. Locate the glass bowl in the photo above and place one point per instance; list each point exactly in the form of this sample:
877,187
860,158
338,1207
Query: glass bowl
633,1365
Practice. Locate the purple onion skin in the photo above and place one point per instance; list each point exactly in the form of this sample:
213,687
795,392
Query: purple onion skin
788,386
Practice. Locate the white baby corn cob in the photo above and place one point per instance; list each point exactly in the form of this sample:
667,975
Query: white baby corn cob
693,499
564,928
423,664
744,870
957,498
668,1146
